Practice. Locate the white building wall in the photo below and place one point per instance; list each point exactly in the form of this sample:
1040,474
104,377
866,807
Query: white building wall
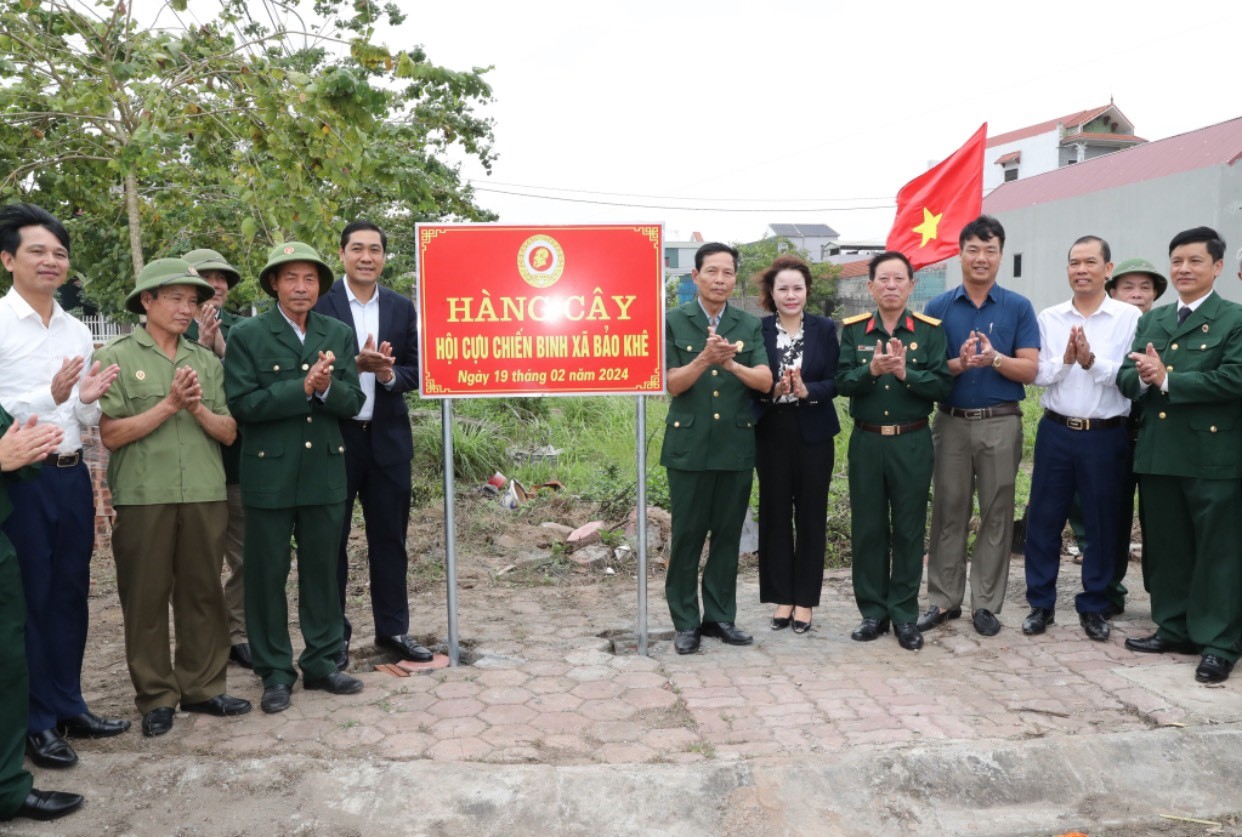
1039,154
1137,220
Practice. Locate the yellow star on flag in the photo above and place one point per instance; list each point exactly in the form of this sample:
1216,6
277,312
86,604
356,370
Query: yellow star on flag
927,229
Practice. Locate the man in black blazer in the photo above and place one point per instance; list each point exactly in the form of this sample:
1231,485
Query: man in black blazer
378,444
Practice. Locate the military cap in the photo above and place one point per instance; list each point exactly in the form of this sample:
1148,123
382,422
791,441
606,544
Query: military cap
1138,266
294,251
205,260
164,272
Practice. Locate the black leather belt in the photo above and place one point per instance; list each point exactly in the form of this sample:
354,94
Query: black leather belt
890,429
63,460
1085,423
1011,408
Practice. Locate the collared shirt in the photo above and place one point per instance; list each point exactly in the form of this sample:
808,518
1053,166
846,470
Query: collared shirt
1008,321
297,329
30,356
177,462
790,348
1070,389
713,320
366,322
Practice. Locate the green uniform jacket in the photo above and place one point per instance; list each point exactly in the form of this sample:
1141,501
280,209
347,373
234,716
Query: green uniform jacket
292,452
177,462
886,400
710,426
1195,430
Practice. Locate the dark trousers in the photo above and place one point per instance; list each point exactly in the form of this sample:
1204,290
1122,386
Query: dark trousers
1192,528
15,781
1090,464
53,530
385,495
170,553
316,530
1125,524
889,481
793,497
705,502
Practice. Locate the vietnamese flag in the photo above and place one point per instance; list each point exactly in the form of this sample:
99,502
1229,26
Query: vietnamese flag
933,207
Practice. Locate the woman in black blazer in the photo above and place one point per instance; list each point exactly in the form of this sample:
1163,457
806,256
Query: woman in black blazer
795,425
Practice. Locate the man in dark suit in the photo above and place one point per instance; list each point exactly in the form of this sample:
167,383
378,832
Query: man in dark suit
290,379
378,446
1185,368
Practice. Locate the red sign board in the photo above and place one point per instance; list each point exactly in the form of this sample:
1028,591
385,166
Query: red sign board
574,310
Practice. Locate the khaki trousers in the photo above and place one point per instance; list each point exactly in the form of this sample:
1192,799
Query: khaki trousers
972,455
172,552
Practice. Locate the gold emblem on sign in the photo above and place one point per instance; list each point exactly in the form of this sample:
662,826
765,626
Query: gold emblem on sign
140,375
541,261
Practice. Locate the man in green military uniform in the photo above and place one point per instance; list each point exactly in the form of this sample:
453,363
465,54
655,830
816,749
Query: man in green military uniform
20,446
715,358
216,323
1185,368
290,378
164,420
894,368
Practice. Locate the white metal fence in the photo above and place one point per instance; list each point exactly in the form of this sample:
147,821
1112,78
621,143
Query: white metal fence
104,328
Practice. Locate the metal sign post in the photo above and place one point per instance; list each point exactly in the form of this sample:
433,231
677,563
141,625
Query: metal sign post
450,530
640,461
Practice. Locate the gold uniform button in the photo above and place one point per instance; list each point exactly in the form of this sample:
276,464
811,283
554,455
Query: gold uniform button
886,412
886,386
305,367
716,416
262,454
1212,428
309,445
689,348
1204,346
1162,415
276,368
1174,346
309,419
676,424
714,373
340,449
715,393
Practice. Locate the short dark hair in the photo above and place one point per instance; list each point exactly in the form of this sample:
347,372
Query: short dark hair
767,279
359,226
887,256
15,216
1105,250
715,247
1207,235
984,228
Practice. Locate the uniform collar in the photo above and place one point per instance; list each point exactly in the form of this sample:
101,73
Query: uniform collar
906,321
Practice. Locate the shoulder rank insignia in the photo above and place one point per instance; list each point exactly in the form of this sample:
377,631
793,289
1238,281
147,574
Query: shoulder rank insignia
857,318
929,320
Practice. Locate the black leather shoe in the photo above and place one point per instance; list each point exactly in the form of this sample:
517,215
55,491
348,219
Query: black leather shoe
780,623
48,749
686,642
342,656
90,725
869,629
240,654
1213,669
985,622
275,698
1114,609
1155,645
727,633
909,636
406,647
48,805
935,617
1038,620
221,706
336,683
1095,625
801,627
158,721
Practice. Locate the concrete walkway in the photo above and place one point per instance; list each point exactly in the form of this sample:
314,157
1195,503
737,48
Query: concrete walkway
551,731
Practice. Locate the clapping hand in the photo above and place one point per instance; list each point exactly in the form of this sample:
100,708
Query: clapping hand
319,378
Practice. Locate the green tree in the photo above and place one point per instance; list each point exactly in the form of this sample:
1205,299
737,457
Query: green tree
757,255
264,124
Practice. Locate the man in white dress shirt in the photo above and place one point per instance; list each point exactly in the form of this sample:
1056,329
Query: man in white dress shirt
46,372
1081,447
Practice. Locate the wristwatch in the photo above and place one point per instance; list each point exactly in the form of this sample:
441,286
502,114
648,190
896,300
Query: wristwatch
996,361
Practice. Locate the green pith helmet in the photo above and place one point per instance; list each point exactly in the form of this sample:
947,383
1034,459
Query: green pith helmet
164,272
1138,266
205,260
294,251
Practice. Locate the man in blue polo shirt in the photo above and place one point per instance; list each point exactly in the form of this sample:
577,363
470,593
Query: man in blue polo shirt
993,345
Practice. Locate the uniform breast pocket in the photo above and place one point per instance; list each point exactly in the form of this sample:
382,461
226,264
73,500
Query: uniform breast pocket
262,462
145,394
678,434
273,368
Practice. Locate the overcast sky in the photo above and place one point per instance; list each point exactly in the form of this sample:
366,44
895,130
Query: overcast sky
784,106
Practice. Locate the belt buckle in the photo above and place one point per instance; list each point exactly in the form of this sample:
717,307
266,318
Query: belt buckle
972,414
888,430
1078,423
